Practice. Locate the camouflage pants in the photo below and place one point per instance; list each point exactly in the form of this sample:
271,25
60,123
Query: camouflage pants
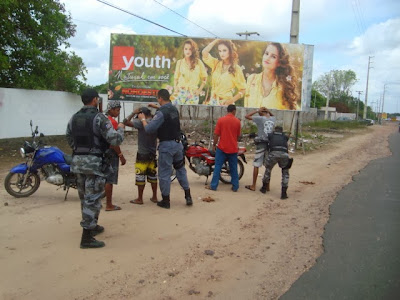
90,190
274,157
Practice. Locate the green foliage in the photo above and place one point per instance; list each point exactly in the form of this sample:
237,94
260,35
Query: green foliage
101,88
327,124
205,126
249,127
336,83
341,107
317,100
31,55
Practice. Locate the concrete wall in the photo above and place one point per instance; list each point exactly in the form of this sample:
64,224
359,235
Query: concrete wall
51,111
333,115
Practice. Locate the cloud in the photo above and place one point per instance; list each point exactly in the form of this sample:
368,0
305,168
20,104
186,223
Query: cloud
380,37
225,19
329,25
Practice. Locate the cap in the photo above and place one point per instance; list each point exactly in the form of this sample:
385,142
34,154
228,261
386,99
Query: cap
113,104
145,111
90,94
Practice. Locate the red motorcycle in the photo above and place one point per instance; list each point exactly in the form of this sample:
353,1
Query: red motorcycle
202,160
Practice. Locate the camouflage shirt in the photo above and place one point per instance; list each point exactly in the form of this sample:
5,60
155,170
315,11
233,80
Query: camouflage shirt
91,164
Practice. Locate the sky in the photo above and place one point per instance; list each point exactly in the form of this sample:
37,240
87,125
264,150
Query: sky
346,34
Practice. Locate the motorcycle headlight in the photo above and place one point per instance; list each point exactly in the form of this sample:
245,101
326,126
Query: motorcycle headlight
22,152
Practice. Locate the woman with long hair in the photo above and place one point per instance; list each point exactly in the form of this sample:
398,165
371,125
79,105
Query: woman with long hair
276,86
189,71
228,83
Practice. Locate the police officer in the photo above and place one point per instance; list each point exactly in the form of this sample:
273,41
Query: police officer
90,134
278,153
170,151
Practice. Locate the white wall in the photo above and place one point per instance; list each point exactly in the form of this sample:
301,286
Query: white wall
52,110
48,110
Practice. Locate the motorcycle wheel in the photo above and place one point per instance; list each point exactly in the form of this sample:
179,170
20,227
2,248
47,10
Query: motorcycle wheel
225,176
13,184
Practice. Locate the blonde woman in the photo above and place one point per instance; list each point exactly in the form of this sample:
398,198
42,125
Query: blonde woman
189,71
228,84
275,86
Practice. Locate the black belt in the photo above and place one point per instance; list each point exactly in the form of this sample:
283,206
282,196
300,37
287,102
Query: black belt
282,149
89,153
178,140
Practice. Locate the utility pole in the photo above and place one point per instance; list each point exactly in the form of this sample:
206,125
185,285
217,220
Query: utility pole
383,97
328,96
294,39
366,90
247,33
358,102
294,25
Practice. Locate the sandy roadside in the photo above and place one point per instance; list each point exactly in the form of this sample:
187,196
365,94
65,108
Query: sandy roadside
260,244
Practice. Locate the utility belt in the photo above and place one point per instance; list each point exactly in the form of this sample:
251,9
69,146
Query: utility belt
278,148
260,141
88,153
178,140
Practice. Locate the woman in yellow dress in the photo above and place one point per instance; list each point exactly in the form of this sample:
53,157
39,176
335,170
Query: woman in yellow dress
275,86
189,71
228,83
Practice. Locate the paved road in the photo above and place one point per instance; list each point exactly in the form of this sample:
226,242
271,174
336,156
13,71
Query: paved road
361,240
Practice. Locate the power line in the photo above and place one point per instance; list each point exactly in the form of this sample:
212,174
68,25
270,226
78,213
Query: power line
128,12
360,21
87,22
185,18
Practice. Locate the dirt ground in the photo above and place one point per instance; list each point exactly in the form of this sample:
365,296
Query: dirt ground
244,245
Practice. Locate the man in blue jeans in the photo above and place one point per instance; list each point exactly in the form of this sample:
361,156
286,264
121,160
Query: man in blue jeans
226,134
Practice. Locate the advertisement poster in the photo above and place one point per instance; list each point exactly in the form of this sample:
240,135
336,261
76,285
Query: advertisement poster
207,71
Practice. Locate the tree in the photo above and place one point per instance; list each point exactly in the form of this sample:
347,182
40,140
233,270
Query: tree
337,82
101,88
31,56
317,100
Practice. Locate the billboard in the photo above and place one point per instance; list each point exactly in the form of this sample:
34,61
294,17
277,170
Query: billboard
210,71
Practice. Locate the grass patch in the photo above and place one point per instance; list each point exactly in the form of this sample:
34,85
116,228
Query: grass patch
335,125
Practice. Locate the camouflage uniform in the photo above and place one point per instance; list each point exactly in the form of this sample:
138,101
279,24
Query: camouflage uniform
278,154
274,157
92,169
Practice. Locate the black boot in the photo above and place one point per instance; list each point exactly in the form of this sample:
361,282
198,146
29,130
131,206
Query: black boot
264,188
164,202
188,198
284,195
88,241
97,230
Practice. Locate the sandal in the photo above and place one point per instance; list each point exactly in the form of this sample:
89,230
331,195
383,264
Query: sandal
249,188
136,201
115,207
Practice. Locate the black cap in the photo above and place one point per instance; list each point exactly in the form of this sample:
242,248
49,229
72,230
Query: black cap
145,111
88,95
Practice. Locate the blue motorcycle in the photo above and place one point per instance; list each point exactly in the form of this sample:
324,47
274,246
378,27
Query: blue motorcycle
47,162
